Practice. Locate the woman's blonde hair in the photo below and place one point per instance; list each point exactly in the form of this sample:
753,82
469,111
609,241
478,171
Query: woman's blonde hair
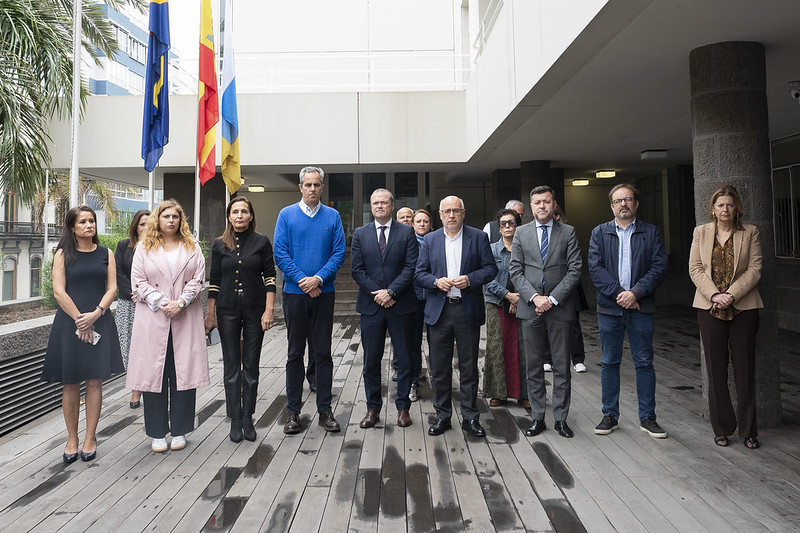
153,238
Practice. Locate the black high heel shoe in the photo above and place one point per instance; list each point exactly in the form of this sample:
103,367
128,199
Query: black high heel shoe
88,456
70,457
236,430
248,429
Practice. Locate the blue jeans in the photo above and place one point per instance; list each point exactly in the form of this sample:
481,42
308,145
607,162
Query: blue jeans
640,335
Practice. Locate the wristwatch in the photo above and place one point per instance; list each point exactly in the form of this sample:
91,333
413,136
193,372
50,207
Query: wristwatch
181,303
392,294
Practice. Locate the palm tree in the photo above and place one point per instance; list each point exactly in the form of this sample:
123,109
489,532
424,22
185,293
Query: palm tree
97,190
36,80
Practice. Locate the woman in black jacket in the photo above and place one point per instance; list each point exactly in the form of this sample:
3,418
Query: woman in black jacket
125,304
240,300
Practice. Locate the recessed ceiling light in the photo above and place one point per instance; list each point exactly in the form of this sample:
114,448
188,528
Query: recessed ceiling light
654,154
580,183
605,174
255,188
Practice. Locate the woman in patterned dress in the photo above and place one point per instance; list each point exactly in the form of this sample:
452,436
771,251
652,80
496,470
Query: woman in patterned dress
125,303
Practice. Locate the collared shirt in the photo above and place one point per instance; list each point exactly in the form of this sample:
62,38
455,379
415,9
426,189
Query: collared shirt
452,252
386,232
624,235
539,233
308,210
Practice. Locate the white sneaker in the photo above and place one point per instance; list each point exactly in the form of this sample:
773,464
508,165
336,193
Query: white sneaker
579,367
548,367
178,443
159,445
412,394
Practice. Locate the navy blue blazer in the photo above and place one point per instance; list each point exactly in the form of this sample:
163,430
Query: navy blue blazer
477,263
394,271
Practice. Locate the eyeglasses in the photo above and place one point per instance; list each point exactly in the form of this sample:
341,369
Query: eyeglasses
449,212
619,201
509,223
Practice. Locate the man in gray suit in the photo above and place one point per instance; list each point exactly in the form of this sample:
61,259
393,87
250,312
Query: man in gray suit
545,270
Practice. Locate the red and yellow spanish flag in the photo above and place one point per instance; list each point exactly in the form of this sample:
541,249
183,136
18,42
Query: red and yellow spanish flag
208,114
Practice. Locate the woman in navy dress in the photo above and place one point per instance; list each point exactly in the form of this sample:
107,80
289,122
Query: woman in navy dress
83,344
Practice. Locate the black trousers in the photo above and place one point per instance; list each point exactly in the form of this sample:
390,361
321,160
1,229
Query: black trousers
373,338
451,327
171,410
240,359
309,320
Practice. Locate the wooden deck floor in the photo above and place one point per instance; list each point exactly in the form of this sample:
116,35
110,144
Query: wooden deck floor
393,479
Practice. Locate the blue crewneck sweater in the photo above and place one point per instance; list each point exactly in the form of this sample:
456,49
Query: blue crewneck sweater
306,246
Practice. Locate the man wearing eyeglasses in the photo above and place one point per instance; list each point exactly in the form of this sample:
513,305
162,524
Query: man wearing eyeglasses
454,264
545,269
627,262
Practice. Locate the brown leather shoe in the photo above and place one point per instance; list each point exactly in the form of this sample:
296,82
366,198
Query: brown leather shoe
403,418
496,402
525,403
329,423
370,419
292,424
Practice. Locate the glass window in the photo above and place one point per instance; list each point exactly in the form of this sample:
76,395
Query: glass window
405,190
372,181
340,197
9,279
36,270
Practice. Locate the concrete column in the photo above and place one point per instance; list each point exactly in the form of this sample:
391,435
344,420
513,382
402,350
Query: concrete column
730,143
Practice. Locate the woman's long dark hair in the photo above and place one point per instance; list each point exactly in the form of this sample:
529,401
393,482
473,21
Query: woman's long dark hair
133,229
68,244
228,235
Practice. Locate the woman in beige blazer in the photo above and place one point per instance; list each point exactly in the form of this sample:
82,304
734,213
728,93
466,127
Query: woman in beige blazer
725,266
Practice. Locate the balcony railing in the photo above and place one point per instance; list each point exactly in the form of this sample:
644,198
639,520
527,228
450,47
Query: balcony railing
26,230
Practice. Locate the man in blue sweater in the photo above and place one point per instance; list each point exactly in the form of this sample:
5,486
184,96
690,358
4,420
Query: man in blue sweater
309,250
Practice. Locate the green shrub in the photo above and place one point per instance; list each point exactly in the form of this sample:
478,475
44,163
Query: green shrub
48,300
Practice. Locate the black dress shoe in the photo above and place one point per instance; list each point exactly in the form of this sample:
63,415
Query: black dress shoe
70,457
328,423
473,427
537,427
236,430
292,425
439,427
248,429
563,429
88,456
135,405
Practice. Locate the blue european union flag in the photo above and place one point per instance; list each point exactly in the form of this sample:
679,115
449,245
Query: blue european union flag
155,123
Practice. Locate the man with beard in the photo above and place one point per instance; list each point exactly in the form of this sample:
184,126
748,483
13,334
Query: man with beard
627,262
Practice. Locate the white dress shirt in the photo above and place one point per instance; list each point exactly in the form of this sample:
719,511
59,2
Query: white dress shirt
452,252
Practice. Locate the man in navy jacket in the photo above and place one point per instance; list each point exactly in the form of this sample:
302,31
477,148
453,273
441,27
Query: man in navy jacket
454,264
627,262
383,256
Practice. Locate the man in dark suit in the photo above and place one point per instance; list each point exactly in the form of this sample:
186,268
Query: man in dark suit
545,269
383,256
454,264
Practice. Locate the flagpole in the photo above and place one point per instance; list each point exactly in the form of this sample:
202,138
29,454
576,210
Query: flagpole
76,102
197,202
44,209
150,190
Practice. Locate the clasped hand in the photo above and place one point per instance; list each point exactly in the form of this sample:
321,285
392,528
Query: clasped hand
310,286
445,284
627,300
722,300
382,298
171,309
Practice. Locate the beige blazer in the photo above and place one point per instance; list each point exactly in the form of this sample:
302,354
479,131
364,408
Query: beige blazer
746,273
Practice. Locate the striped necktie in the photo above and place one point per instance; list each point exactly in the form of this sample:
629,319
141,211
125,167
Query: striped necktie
544,243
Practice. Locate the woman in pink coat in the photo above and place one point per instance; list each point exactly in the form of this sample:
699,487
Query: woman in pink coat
168,356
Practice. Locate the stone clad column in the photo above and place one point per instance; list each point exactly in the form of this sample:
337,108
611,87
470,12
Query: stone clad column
730,142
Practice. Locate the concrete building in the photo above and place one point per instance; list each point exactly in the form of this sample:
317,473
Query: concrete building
487,98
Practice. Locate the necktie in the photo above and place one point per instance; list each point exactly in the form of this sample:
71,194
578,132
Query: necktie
382,240
544,243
